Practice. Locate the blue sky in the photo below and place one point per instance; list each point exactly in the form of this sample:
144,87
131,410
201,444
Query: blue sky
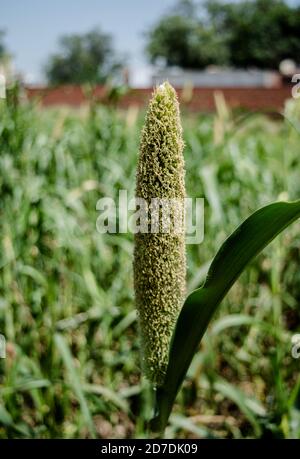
34,26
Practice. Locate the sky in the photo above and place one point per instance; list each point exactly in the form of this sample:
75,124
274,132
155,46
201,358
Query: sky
33,28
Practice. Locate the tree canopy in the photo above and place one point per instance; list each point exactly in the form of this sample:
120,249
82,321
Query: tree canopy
249,33
3,51
83,58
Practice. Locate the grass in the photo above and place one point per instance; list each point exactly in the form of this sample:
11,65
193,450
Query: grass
66,295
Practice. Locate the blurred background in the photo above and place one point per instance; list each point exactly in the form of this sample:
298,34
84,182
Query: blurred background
121,49
75,80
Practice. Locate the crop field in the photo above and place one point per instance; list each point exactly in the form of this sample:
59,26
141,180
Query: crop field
72,366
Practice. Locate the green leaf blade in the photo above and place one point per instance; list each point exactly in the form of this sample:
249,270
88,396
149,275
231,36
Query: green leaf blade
244,244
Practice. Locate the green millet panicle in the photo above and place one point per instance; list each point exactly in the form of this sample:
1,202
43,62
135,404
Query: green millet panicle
159,258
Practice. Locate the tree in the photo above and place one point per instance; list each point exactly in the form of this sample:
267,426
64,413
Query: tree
83,58
2,45
250,33
181,40
258,33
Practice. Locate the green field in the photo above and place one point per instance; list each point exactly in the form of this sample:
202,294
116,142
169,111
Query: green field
72,368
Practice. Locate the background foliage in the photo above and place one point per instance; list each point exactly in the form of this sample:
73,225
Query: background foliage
83,58
248,33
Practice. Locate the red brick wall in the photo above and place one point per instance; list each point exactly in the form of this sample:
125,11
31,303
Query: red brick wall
202,99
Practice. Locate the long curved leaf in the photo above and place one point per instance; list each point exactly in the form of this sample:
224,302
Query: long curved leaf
252,236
